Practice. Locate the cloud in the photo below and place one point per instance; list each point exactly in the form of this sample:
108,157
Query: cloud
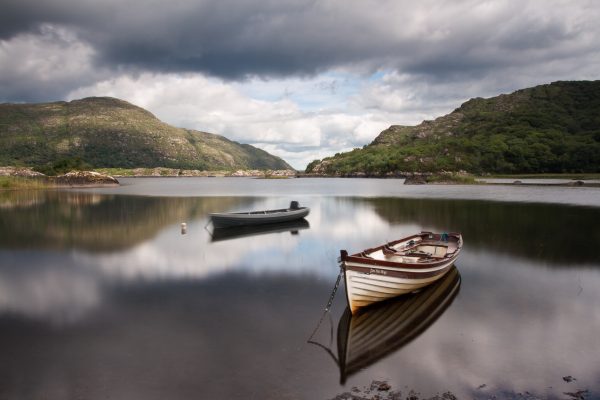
230,39
301,77
45,65
278,126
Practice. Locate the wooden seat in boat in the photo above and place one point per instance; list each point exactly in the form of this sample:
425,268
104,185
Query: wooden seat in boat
419,253
389,250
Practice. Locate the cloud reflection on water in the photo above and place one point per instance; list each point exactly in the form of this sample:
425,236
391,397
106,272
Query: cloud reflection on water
213,314
162,253
513,326
46,286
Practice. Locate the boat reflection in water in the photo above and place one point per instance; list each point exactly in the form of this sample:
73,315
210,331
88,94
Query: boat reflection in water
235,232
366,337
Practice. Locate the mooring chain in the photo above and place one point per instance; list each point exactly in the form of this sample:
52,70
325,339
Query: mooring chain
335,288
326,310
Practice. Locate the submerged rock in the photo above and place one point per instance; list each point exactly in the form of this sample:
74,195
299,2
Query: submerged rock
377,390
380,386
578,395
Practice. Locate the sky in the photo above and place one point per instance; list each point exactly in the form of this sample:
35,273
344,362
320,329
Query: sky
301,79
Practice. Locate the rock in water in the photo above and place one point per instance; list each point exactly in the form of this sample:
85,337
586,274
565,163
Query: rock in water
85,178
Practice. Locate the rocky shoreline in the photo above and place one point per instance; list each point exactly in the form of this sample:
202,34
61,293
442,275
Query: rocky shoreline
410,178
69,180
22,172
414,178
108,176
27,178
173,172
83,179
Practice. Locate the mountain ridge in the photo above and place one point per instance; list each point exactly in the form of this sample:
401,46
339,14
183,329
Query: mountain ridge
552,128
107,132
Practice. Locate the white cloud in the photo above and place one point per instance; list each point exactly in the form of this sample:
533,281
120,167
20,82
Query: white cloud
46,63
279,125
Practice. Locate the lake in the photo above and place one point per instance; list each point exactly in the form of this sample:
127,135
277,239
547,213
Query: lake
102,295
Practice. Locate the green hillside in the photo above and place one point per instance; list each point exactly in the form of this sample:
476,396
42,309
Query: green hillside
551,128
108,132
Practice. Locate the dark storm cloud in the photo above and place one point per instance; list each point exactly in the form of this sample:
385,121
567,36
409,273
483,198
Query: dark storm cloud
232,39
434,41
224,38
21,16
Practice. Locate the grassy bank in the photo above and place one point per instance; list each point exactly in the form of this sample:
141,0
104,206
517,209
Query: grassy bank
456,179
16,182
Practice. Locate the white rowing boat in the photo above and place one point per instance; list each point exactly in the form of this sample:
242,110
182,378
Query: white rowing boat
399,267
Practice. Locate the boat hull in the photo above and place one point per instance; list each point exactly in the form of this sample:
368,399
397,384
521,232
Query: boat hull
227,220
372,280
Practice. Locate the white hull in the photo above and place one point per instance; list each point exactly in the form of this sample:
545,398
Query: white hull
367,288
398,268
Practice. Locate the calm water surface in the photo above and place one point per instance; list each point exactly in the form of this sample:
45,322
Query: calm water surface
102,296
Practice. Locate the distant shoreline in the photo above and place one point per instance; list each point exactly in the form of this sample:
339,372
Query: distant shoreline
13,178
574,183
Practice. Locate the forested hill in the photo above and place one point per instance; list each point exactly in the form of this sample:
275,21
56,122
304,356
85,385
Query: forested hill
108,132
548,128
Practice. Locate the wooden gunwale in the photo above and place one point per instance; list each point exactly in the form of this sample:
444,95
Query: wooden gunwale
394,264
263,212
359,258
266,211
401,274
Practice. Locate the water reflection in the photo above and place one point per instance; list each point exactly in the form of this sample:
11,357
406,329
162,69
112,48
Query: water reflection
229,337
367,337
78,243
101,296
556,234
235,232
47,287
99,223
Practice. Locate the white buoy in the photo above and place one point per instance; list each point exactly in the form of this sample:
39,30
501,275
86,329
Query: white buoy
183,228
